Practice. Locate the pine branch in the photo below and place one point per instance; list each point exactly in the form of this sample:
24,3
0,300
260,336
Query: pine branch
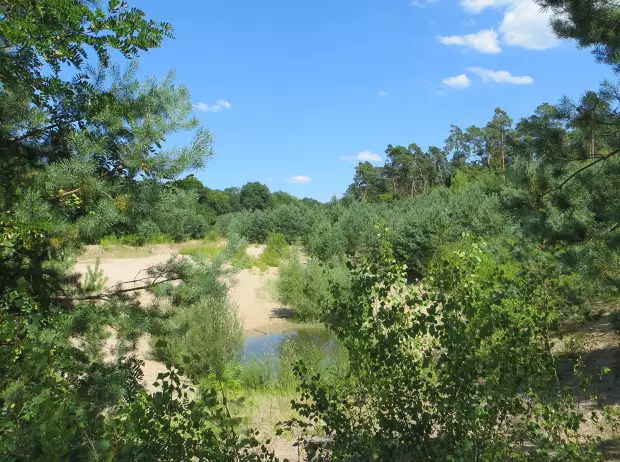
107,294
40,131
582,169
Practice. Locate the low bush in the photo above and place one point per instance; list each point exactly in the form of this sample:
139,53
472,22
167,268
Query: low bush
200,322
326,241
114,240
276,249
430,378
306,287
213,235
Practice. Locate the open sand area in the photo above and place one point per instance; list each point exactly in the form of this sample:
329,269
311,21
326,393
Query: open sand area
259,312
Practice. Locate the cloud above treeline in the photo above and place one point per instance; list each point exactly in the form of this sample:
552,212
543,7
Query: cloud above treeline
364,156
487,75
485,41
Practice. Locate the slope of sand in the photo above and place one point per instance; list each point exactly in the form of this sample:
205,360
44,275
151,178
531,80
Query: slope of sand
258,311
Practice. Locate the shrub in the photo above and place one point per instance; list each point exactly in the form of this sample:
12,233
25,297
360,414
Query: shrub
213,235
159,238
209,332
429,375
326,241
290,221
357,225
252,226
200,322
305,288
126,239
276,249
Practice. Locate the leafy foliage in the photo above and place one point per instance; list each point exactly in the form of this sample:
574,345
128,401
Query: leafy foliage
446,339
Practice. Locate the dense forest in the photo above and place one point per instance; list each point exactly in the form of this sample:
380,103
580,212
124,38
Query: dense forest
450,279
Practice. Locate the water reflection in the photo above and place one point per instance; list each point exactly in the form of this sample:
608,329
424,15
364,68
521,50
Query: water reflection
268,360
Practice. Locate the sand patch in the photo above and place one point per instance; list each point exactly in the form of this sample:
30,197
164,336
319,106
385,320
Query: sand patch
258,311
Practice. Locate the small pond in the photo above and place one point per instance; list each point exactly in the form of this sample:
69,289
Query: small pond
264,345
269,359
313,337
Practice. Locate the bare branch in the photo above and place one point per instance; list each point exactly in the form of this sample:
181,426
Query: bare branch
110,293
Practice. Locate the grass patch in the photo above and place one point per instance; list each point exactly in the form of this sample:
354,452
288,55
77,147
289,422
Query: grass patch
276,249
242,260
201,251
212,236
133,240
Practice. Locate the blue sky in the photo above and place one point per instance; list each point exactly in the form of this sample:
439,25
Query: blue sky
293,92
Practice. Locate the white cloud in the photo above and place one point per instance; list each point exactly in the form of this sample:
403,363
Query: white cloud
219,106
487,75
476,6
485,41
459,81
369,156
525,25
383,93
300,179
422,3
364,156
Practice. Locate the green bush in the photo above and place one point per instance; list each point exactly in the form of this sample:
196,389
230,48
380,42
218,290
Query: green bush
306,287
159,238
114,240
438,352
252,226
358,227
291,221
213,235
199,320
276,249
326,241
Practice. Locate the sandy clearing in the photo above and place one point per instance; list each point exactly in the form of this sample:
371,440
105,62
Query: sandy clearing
258,311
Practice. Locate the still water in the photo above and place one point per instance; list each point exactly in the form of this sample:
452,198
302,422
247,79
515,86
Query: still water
264,345
300,341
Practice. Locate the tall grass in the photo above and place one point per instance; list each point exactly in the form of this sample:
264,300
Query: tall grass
202,251
134,240
275,250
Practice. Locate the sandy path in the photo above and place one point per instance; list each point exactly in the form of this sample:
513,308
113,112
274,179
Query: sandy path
258,311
